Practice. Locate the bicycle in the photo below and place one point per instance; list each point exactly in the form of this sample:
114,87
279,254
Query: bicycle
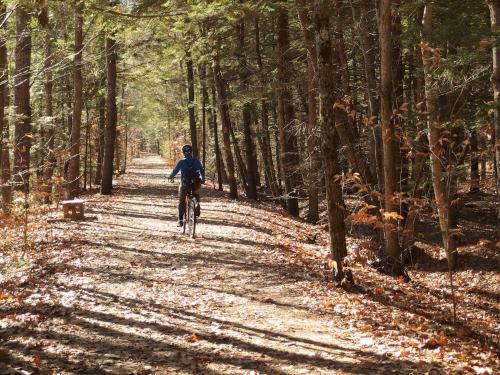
190,218
190,214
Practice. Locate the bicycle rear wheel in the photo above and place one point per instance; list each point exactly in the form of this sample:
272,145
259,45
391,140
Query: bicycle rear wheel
191,213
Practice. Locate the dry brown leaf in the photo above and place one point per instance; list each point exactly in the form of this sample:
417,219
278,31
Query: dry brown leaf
191,338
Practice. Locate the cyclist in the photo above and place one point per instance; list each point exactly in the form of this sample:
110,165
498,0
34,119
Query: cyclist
192,176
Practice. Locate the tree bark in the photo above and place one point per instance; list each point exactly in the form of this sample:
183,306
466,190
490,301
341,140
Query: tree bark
119,136
87,150
392,247
218,156
419,170
101,108
4,124
22,101
339,47
49,113
494,6
398,76
75,139
265,142
474,163
204,95
111,117
242,171
311,129
288,157
437,154
325,71
226,126
191,109
368,49
125,145
251,184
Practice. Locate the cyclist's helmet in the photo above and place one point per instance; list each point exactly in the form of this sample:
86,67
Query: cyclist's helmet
187,149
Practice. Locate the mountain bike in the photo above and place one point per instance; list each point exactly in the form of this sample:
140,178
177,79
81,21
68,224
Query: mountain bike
190,216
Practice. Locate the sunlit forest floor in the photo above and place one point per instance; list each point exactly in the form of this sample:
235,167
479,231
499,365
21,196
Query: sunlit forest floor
124,292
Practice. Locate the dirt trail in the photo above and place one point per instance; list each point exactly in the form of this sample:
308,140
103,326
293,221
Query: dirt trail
138,297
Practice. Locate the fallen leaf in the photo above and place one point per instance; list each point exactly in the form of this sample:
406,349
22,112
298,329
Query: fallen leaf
191,338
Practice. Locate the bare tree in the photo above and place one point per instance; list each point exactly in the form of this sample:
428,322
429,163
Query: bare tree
330,142
494,6
22,77
111,117
74,164
392,247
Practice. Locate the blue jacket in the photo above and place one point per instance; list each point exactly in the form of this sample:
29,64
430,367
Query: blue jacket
184,164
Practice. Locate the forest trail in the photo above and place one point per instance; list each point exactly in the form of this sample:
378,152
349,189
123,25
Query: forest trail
138,297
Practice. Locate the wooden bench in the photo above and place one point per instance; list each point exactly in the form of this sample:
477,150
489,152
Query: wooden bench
74,209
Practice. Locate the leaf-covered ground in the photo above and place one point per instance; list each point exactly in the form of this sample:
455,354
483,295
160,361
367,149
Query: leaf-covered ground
124,292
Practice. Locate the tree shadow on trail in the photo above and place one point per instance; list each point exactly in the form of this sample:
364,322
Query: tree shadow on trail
231,222
133,339
131,323
146,191
123,212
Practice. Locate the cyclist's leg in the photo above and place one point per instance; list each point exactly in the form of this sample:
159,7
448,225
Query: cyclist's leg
196,194
182,202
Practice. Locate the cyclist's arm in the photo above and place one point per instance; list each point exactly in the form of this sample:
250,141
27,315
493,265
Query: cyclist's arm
176,170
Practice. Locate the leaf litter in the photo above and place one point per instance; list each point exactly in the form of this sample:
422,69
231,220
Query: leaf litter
128,293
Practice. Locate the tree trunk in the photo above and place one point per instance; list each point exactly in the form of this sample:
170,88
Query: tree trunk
226,126
120,138
368,49
242,171
49,112
204,95
69,118
392,247
75,139
218,156
279,167
191,109
494,6
101,104
439,179
89,137
253,134
419,170
4,124
125,145
311,129
339,48
22,101
87,150
251,184
398,77
265,142
111,118
353,151
474,163
287,139
325,71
